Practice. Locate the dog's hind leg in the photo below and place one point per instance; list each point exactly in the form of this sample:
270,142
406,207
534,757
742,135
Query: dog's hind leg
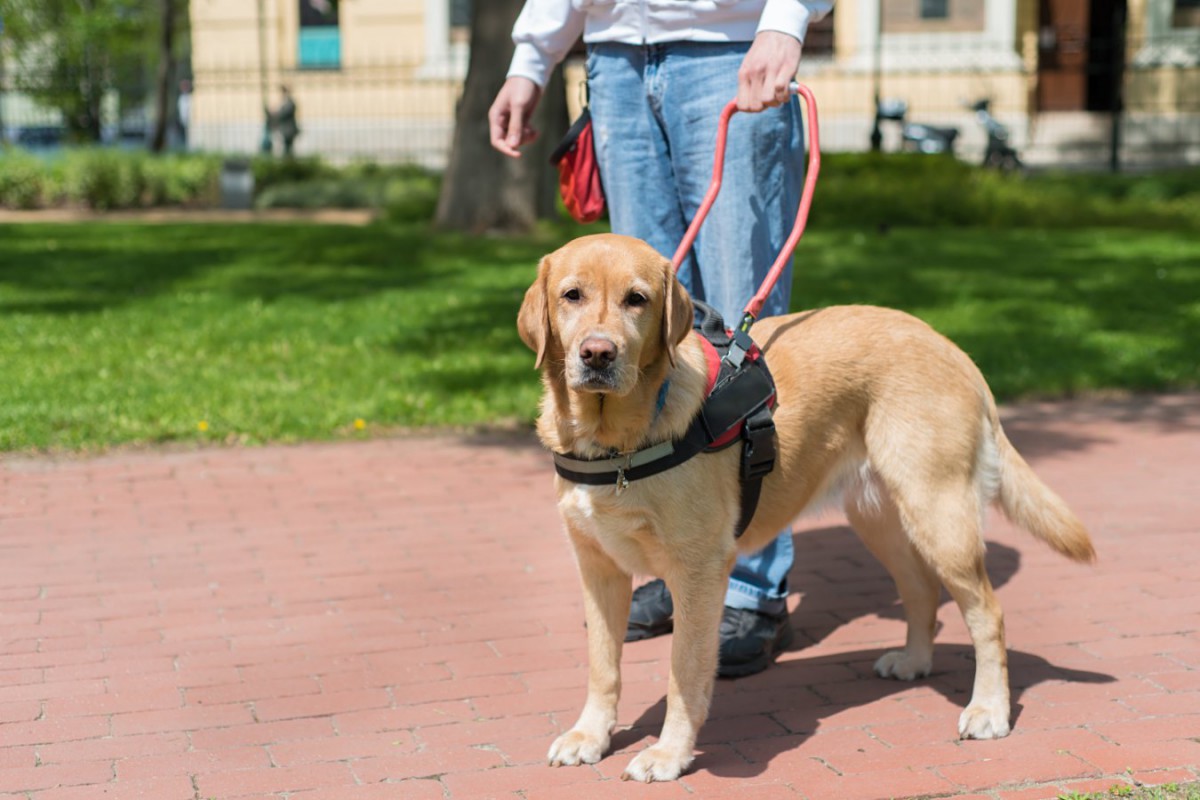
877,522
945,527
606,596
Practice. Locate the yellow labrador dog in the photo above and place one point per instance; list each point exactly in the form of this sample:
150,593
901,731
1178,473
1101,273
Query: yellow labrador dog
876,411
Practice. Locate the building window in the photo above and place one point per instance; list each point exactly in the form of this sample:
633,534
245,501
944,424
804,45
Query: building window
460,13
1186,14
460,21
933,16
1172,35
935,9
320,44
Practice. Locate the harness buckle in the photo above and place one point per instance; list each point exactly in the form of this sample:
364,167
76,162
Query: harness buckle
758,449
740,345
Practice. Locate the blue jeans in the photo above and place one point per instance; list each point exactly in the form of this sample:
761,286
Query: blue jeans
655,110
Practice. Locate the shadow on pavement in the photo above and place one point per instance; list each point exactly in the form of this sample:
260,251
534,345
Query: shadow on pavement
1046,428
951,678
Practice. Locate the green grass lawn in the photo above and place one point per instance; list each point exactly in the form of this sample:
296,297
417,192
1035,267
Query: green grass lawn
127,333
1169,791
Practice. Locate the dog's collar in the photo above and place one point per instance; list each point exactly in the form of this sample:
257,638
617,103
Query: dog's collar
618,468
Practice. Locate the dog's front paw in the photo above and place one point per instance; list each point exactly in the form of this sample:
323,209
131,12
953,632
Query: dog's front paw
577,747
657,764
903,665
983,721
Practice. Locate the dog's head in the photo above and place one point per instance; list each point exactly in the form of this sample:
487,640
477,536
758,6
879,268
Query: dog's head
603,309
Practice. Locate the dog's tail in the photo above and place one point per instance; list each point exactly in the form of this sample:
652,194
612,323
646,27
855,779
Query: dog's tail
1031,504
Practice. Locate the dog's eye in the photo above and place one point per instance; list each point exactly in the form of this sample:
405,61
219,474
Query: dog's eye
572,295
636,299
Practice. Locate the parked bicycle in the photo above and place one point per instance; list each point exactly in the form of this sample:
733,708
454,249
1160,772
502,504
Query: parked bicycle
919,137
915,137
999,154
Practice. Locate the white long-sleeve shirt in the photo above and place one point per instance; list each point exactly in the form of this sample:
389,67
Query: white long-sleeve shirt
546,29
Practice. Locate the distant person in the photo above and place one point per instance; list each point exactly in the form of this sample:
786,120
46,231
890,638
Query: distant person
283,121
183,112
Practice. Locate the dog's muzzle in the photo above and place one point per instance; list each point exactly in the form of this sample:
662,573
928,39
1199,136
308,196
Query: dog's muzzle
590,379
597,370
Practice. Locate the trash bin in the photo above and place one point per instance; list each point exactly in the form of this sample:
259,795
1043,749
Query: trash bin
237,184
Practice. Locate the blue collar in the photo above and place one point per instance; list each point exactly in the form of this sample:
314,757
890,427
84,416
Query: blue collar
661,402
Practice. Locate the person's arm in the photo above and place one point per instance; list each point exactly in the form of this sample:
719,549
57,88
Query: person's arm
543,34
774,57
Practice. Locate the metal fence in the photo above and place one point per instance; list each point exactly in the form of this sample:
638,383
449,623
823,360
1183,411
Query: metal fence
1141,101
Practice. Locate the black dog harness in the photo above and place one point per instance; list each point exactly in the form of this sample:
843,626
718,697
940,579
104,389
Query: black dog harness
741,396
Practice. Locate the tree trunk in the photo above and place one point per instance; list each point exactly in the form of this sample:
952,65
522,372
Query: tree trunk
90,124
162,88
483,189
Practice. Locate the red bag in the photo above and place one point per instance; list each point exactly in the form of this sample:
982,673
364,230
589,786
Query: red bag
579,172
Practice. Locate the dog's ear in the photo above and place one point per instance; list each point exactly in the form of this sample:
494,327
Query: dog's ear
533,320
677,314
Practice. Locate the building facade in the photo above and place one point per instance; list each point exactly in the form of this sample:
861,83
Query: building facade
370,78
380,78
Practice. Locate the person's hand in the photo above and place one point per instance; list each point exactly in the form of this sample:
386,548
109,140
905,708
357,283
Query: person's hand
509,116
768,68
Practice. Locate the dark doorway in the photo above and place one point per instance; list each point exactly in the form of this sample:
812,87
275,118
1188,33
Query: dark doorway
1106,54
1081,50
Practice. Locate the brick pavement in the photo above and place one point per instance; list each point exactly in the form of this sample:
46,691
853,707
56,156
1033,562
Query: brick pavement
400,619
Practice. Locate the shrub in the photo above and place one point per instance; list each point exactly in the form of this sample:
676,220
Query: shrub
412,197
855,190
321,193
405,194
103,179
22,180
106,179
270,171
901,189
177,180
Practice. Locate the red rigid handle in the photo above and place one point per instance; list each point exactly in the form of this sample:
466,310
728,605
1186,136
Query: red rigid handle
810,184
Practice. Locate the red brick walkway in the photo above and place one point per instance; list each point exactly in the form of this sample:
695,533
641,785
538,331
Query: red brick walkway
400,619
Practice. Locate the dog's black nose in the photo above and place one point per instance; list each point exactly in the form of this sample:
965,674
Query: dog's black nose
597,353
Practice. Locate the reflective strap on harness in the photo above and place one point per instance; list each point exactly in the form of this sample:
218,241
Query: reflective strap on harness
622,461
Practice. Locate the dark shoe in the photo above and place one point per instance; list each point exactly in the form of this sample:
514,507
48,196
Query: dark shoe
651,612
750,640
